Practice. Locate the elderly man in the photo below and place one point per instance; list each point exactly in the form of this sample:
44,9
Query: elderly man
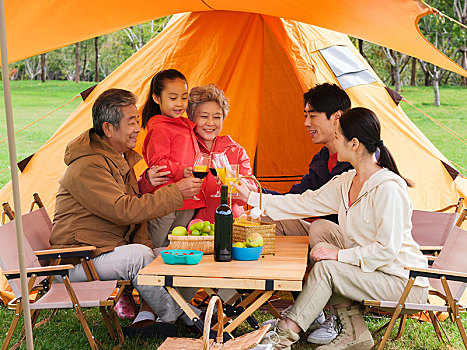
98,204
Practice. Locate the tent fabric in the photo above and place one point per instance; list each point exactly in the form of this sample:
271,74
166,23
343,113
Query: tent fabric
264,64
34,27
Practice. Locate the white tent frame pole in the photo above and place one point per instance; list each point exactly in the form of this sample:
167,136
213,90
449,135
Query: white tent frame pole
14,178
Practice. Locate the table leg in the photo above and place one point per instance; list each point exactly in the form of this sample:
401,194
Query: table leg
175,294
244,303
249,310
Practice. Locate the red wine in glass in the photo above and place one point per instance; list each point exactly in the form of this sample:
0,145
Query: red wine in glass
200,174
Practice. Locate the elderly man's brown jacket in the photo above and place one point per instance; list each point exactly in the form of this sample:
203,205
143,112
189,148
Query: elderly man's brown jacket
98,202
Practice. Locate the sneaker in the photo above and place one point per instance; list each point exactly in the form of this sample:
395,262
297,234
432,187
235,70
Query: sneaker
319,320
280,338
326,333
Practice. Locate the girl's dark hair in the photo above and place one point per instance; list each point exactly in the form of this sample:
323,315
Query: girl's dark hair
151,108
363,124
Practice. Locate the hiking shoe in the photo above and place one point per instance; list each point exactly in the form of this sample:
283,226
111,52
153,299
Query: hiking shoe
326,333
281,337
319,320
353,335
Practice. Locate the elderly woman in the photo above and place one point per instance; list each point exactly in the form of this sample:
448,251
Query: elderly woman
364,256
207,108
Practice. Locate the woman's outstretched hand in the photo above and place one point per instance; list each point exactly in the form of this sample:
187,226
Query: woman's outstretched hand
243,190
324,254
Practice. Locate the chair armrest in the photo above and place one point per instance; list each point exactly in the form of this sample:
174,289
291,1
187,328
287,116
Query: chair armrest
40,271
430,248
84,251
436,273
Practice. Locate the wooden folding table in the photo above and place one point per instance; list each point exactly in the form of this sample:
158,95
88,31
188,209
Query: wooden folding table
283,271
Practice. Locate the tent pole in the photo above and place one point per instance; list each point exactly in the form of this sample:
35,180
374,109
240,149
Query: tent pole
14,177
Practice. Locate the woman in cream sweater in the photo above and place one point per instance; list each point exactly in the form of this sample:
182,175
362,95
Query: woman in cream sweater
364,256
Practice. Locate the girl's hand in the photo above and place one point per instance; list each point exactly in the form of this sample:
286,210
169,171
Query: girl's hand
324,254
188,171
243,190
156,177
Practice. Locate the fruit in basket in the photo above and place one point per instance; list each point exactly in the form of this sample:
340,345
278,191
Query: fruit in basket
254,240
179,231
239,245
191,223
195,233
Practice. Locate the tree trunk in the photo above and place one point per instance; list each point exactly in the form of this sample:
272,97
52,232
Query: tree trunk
463,64
436,86
43,73
77,63
413,75
397,76
96,49
85,61
360,48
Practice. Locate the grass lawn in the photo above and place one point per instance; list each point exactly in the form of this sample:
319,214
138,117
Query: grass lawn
32,100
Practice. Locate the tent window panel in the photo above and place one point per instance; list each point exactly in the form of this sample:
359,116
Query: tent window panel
353,79
349,70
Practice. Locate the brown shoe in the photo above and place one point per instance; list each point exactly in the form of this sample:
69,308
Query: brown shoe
150,329
354,334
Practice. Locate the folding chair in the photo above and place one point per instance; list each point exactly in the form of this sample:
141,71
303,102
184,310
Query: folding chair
55,295
448,278
430,229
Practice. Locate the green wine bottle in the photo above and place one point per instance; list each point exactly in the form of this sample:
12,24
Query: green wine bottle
223,219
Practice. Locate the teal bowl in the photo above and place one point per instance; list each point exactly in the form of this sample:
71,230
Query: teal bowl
246,254
181,256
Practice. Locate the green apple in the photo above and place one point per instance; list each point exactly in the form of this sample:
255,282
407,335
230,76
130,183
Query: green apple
195,233
179,231
199,226
254,240
205,234
239,245
207,229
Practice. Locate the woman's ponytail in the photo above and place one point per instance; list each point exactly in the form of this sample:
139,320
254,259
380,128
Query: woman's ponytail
363,124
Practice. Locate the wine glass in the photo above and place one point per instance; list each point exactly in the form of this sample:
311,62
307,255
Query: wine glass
231,175
219,162
200,168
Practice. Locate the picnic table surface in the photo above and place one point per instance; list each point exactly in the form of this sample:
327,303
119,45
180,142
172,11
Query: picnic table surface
285,269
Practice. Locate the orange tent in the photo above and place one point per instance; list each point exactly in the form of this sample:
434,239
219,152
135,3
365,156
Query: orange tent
264,64
35,27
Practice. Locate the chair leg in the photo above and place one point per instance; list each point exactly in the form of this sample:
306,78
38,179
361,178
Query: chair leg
14,323
401,326
397,312
79,313
434,322
118,328
107,321
454,305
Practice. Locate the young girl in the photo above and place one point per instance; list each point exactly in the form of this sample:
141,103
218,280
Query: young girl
169,142
207,108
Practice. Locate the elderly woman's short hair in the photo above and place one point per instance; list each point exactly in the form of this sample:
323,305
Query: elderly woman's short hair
205,93
108,108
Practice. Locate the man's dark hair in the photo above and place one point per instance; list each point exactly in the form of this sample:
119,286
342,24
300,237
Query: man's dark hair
108,108
327,98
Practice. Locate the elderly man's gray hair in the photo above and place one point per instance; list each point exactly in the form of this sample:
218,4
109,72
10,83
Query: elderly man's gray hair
108,108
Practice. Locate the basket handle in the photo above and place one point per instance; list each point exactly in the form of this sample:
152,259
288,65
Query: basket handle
257,184
207,321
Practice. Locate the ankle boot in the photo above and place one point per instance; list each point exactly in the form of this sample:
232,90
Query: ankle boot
354,333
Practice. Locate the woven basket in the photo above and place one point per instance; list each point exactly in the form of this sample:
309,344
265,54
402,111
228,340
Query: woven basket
268,231
244,342
203,243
